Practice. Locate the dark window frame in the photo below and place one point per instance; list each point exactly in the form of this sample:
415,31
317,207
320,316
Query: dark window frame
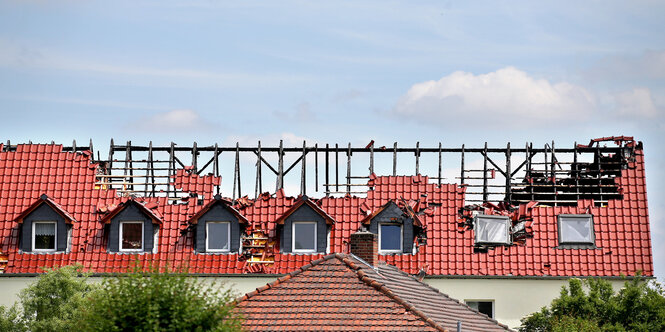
478,302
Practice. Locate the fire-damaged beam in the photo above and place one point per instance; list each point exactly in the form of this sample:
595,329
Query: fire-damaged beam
556,176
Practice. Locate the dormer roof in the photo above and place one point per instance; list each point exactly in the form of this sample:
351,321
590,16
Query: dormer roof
218,199
306,201
406,211
44,199
156,219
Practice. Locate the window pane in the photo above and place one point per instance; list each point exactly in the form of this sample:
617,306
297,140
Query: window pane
132,235
492,230
218,236
575,229
484,307
391,237
44,236
304,236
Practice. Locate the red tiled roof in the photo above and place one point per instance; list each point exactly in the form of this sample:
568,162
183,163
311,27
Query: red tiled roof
331,294
621,228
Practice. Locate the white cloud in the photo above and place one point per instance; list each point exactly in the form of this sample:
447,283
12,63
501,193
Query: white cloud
648,65
507,96
636,103
180,121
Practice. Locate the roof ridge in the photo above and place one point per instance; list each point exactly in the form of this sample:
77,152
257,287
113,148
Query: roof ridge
364,277
449,297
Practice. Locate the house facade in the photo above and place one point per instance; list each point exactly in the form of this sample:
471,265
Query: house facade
506,258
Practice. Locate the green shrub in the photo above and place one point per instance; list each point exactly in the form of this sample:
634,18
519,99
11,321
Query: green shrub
158,301
639,306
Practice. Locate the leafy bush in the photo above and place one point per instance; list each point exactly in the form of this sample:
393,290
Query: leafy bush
639,306
159,301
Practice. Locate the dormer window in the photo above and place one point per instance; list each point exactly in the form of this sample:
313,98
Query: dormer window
131,236
576,229
390,238
44,236
45,227
491,229
304,228
132,228
218,236
304,236
395,226
218,226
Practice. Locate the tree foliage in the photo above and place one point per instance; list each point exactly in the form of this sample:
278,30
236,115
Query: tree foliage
592,305
159,301
49,304
63,300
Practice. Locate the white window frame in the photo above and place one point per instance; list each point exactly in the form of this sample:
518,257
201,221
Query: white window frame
483,300
486,216
401,239
228,236
293,236
142,236
55,242
592,233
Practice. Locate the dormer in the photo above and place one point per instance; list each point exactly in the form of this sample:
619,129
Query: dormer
304,228
394,227
132,228
45,227
218,227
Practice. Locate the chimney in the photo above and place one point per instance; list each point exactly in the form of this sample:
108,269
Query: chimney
365,245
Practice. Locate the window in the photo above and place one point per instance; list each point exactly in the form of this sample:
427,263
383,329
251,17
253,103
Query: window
131,236
576,229
492,229
483,306
218,236
390,238
43,235
304,236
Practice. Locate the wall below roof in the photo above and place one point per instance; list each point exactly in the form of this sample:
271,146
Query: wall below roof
513,298
11,286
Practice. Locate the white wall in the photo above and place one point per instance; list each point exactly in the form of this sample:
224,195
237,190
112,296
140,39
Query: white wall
513,298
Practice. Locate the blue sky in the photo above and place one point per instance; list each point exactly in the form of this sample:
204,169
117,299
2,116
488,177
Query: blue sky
457,72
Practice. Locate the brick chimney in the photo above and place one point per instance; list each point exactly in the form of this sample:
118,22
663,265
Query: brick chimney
364,244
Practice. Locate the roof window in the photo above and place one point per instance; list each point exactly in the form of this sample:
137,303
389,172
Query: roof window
304,236
491,229
576,229
390,238
44,236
